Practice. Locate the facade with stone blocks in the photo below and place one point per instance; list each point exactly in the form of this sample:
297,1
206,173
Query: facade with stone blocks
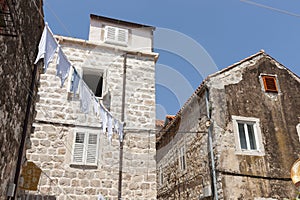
236,137
113,60
21,25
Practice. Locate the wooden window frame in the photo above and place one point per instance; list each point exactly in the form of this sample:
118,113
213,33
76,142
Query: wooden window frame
85,150
266,83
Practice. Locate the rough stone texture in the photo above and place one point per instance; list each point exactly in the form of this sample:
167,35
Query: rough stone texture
18,54
237,91
59,115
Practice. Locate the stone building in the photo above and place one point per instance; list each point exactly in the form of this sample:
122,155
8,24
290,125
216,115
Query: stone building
18,79
236,137
118,65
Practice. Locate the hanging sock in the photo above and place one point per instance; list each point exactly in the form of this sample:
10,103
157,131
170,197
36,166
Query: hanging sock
96,106
120,131
75,82
103,114
47,47
109,126
62,66
85,97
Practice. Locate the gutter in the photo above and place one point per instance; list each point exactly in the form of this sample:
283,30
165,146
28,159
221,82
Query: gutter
211,153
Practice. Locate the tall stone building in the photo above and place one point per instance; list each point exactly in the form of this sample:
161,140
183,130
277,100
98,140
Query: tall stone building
21,25
118,65
237,136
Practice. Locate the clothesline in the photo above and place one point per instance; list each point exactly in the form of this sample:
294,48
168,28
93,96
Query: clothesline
48,46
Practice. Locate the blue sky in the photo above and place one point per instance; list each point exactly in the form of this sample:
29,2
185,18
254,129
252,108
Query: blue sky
227,30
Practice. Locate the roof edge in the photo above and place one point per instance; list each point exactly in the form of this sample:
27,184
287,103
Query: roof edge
122,22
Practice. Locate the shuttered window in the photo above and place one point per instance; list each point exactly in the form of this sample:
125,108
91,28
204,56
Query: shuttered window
182,159
270,84
86,148
115,35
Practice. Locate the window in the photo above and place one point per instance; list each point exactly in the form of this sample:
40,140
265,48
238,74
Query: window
115,35
298,130
247,135
6,23
94,79
182,159
269,83
85,151
161,176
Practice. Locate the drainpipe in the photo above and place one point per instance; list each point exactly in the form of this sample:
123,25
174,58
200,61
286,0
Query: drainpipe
211,153
24,131
122,119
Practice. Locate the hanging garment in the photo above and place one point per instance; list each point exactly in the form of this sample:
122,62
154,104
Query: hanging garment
103,114
47,47
75,82
62,66
109,126
85,97
120,131
96,106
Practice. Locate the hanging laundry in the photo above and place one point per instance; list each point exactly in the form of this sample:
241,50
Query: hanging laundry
62,66
96,106
103,114
85,97
120,131
109,126
47,47
75,82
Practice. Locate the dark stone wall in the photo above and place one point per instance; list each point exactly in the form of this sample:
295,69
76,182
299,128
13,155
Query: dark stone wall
278,114
17,56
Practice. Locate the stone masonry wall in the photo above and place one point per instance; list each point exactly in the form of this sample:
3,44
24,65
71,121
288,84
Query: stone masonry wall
16,65
190,133
239,92
59,117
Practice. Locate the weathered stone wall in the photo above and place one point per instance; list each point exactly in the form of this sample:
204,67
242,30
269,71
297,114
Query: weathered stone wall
239,92
191,132
59,117
16,66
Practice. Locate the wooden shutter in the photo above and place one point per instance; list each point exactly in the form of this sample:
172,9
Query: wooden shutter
270,83
110,33
78,154
92,144
122,36
115,35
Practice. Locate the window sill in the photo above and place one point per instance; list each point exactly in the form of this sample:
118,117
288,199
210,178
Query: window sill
83,166
249,153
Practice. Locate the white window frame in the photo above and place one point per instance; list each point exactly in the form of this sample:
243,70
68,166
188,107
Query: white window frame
298,130
86,147
259,151
80,73
161,176
117,33
182,158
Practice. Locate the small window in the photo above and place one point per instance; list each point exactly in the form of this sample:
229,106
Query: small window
94,79
85,150
161,176
298,130
270,83
182,159
115,35
248,135
6,23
